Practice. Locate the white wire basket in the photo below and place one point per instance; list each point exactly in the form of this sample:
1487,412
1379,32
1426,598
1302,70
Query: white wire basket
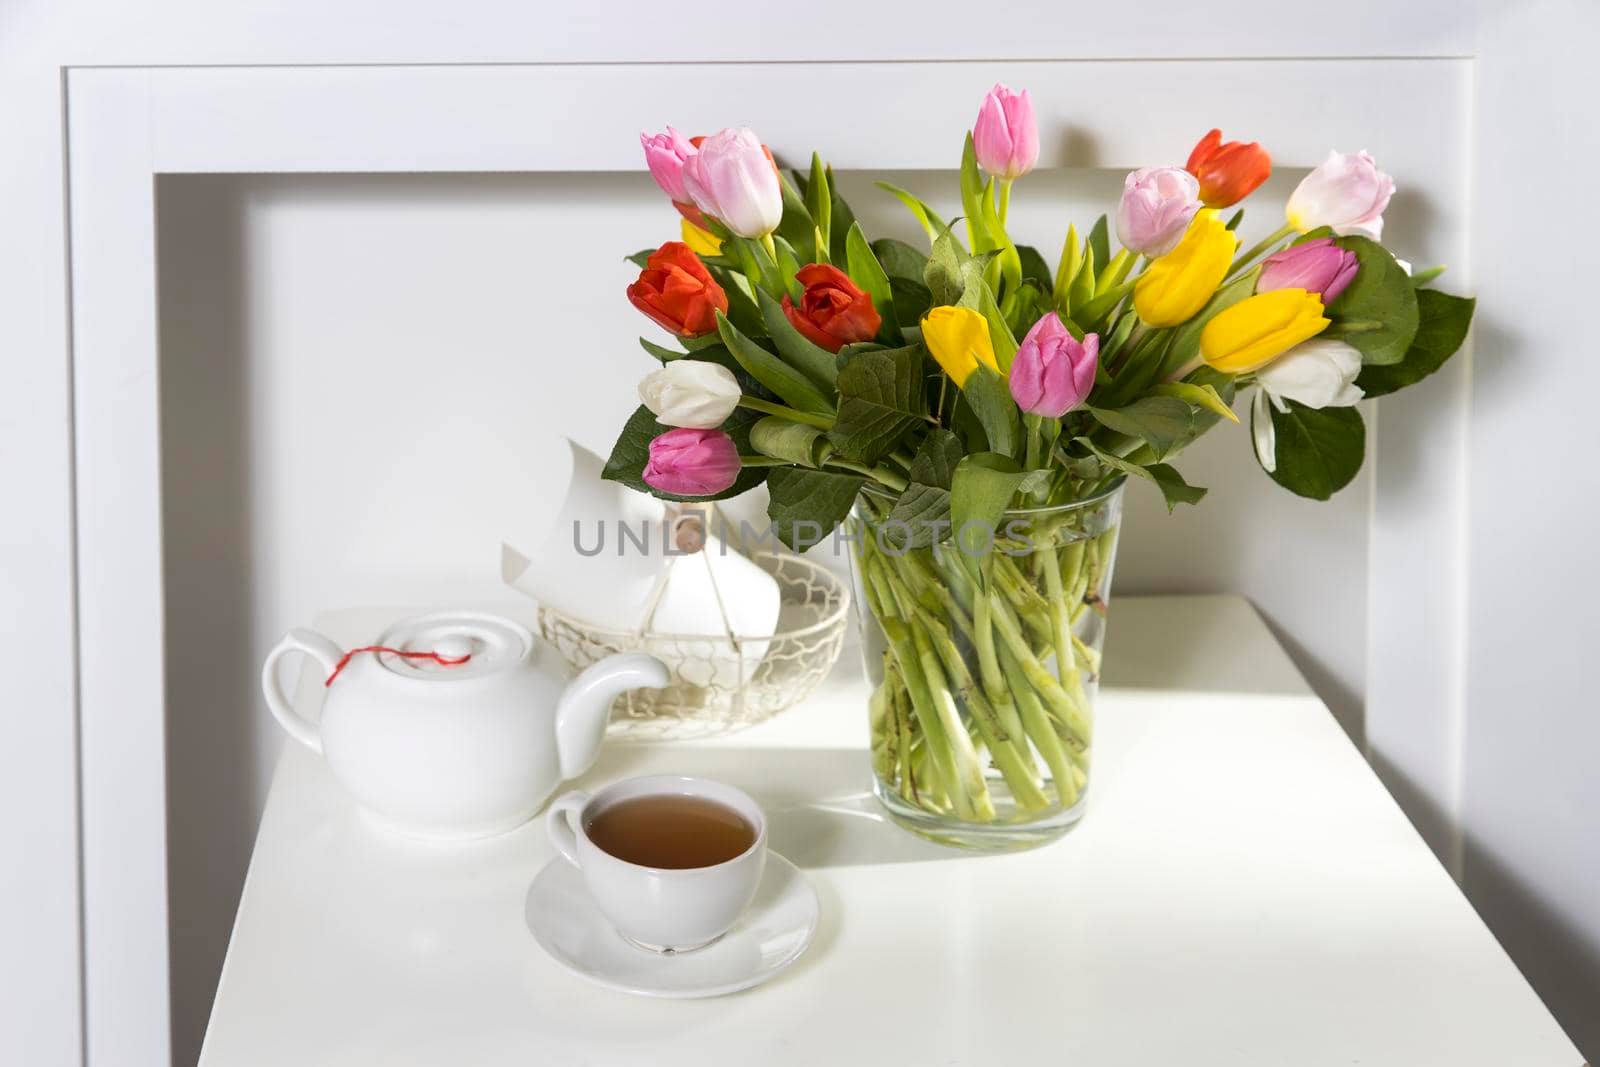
728,682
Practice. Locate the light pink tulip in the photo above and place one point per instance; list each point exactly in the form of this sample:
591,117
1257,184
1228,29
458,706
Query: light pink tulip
665,154
690,462
732,178
1347,192
1156,207
1053,372
1005,137
1318,266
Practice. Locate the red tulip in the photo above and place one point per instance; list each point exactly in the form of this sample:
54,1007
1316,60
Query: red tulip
1228,172
833,310
677,291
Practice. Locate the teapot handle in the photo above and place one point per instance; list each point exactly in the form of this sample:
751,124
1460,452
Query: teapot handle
318,648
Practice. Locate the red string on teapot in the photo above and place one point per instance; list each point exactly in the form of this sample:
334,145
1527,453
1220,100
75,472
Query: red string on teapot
443,661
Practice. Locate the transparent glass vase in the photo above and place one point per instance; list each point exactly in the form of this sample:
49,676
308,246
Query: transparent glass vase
984,663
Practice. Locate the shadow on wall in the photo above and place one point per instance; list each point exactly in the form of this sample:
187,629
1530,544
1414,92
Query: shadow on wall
206,517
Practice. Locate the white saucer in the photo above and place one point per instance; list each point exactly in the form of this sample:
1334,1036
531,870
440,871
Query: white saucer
769,937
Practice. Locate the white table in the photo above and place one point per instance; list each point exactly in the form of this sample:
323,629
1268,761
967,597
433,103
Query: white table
1241,892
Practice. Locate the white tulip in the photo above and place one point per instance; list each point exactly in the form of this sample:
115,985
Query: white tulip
1316,373
690,392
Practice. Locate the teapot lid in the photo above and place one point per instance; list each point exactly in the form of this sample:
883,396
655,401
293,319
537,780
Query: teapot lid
489,642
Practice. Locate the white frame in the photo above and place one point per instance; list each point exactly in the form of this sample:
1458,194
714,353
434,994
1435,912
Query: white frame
130,125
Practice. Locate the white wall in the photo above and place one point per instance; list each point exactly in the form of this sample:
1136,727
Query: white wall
1529,787
365,383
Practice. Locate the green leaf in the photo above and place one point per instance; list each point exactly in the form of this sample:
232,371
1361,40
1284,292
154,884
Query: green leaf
867,272
641,258
1381,298
980,492
814,361
1034,267
661,352
779,438
794,388
842,217
936,459
925,512
911,301
1423,278
947,269
1162,422
1201,396
1082,289
741,299
1442,327
819,202
880,400
1166,478
986,394
900,260
926,217
796,225
632,451
1318,450
1067,270
806,505
978,235
788,266
1100,241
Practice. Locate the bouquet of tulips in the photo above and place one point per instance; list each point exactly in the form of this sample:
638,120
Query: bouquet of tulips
978,411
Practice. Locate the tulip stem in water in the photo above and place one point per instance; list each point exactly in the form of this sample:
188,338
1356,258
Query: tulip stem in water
821,422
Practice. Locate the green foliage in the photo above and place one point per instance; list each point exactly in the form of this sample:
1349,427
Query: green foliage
1318,450
1174,490
880,401
804,505
1377,313
779,438
981,490
988,398
1164,423
814,362
900,260
794,388
819,204
1443,321
867,272
926,217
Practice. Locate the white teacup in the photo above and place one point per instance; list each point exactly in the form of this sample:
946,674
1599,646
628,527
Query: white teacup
658,908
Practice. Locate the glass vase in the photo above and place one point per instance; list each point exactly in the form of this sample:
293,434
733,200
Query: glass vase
983,658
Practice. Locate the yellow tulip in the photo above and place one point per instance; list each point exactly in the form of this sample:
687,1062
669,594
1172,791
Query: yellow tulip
701,242
1259,329
959,340
1176,286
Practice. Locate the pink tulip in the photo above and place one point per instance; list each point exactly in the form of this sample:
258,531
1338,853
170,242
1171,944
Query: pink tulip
1005,138
690,462
665,155
732,178
1053,372
1318,266
1157,206
1346,192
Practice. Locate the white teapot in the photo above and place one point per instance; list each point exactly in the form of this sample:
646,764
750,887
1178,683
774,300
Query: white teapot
464,729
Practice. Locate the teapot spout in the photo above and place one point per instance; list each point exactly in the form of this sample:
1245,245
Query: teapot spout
585,705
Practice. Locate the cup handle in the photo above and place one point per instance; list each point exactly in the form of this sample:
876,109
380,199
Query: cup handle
559,825
319,648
